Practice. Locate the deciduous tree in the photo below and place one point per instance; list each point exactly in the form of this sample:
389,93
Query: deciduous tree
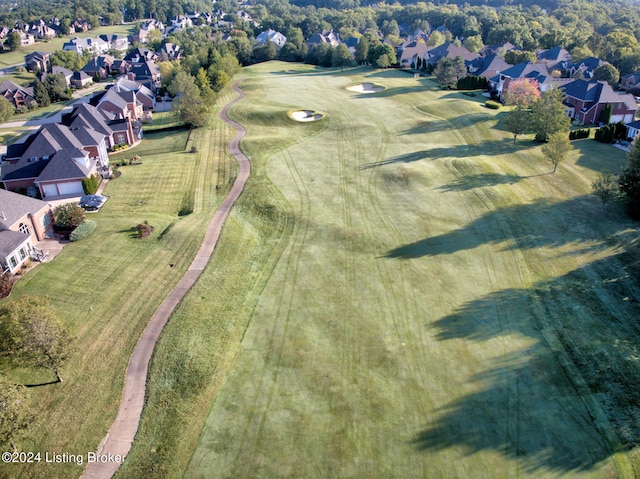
605,187
68,215
7,110
549,115
607,72
557,148
34,333
448,71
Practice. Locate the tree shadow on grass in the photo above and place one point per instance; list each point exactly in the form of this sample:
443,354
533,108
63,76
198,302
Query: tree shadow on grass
469,182
505,225
406,158
530,405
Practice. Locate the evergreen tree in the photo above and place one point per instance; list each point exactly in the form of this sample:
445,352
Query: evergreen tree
40,93
629,181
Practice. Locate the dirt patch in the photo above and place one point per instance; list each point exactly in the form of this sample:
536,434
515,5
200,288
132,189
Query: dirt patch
366,88
305,115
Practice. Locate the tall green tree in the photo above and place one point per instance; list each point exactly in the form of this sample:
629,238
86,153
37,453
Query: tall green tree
189,105
341,57
549,115
13,41
362,50
41,94
448,71
7,110
629,181
557,148
605,187
57,88
607,72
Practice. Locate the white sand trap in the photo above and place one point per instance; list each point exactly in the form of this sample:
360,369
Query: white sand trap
305,115
366,88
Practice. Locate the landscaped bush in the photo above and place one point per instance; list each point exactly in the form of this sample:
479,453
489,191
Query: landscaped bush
90,185
579,134
82,231
472,82
610,133
494,105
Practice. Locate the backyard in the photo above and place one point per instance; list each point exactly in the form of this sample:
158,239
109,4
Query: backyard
400,292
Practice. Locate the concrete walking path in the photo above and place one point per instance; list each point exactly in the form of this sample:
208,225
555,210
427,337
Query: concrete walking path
117,443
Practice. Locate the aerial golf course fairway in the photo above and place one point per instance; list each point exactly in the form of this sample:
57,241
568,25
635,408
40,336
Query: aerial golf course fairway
435,303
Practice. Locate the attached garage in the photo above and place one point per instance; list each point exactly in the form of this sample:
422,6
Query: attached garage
66,188
71,188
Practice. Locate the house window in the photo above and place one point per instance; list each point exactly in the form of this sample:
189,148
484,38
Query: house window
45,221
13,262
23,228
22,253
121,138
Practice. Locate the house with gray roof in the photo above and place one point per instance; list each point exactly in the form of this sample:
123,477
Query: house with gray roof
537,72
56,159
23,222
271,36
586,100
16,94
448,50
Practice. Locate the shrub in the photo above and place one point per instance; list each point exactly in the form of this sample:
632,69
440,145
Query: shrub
82,231
494,105
194,149
68,215
579,134
144,229
472,82
90,185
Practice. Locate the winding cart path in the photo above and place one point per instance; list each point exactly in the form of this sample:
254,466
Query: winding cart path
117,443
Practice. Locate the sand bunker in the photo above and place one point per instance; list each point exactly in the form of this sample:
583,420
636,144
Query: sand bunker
366,88
305,115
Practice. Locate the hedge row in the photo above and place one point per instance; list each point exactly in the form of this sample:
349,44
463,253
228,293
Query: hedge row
612,132
579,134
494,105
472,82
83,230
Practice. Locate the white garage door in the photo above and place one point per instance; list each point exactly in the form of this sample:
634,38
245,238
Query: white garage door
50,190
71,188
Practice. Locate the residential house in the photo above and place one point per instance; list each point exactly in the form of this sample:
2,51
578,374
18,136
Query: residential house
122,103
169,52
65,72
553,56
80,79
179,22
586,101
23,222
147,73
527,70
586,67
143,94
498,49
42,31
410,52
118,131
488,66
18,95
116,42
99,66
271,36
97,46
448,50
143,34
25,38
633,130
325,36
140,55
630,81
121,67
37,61
56,159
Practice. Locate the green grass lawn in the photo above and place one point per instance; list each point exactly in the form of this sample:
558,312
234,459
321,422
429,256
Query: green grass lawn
400,292
427,300
107,287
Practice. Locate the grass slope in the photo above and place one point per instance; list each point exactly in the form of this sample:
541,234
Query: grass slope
108,286
440,303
